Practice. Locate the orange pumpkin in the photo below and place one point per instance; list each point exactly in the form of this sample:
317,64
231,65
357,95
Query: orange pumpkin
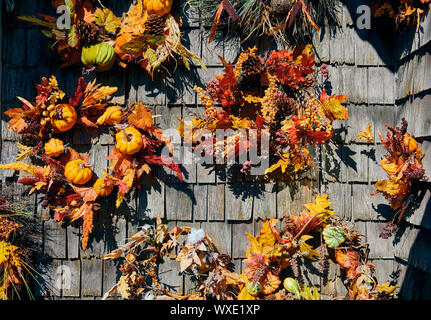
63,117
103,186
78,171
129,140
160,7
54,147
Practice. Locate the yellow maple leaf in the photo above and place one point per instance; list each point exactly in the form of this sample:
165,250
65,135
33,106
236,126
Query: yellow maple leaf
390,186
282,164
306,250
252,99
321,205
309,293
332,108
386,288
107,19
367,134
37,186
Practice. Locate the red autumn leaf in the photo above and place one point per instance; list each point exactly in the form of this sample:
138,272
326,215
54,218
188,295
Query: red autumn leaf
43,92
167,162
79,92
86,122
228,79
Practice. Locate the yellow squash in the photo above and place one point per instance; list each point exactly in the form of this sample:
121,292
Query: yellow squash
78,171
111,116
129,140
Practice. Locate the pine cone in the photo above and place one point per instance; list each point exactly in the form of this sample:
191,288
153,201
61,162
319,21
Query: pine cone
355,239
286,106
87,33
155,25
252,67
308,83
224,260
289,223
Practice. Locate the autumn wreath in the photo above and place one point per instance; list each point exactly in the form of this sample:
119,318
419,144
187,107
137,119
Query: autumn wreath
271,271
64,176
275,96
148,34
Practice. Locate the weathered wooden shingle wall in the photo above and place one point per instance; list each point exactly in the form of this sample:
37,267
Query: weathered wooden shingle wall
362,65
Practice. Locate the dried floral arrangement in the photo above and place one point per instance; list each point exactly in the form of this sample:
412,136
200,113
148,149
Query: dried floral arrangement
405,13
292,22
17,226
148,34
64,176
272,260
404,166
275,95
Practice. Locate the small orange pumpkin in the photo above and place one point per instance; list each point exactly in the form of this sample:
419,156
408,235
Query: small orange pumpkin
160,7
409,144
129,140
63,117
78,171
54,147
103,186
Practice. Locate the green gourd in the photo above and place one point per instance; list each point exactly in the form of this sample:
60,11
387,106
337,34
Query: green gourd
100,55
253,288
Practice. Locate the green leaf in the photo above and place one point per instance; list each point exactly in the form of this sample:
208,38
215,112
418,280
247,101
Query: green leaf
38,22
133,47
72,37
47,33
155,40
71,6
152,57
333,236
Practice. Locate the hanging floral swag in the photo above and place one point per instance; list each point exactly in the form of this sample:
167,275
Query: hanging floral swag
404,166
292,22
274,95
64,176
271,271
405,13
148,34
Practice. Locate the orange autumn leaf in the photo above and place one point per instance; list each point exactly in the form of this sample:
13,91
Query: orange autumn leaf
17,122
87,193
87,226
120,162
141,117
332,107
349,261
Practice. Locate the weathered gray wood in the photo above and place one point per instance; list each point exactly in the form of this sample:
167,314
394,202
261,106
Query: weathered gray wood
179,202
357,161
265,202
379,247
200,208
48,277
73,242
340,196
151,201
91,277
71,275
169,275
221,233
237,206
239,238
54,239
216,202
